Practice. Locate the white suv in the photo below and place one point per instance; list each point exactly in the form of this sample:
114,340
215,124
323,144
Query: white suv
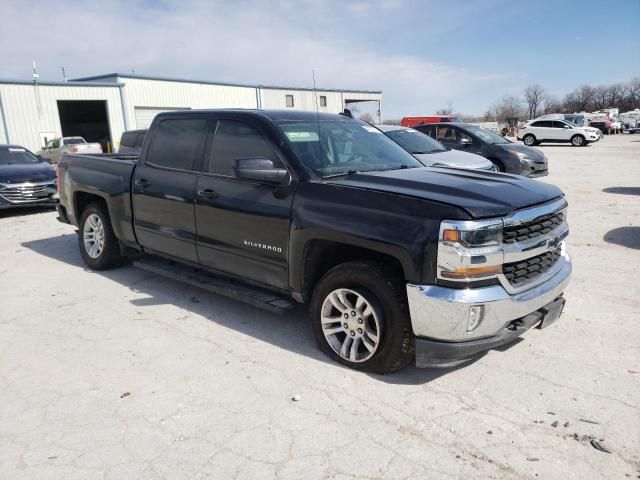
556,131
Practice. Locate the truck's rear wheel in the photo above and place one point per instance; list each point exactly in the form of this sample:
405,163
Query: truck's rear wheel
98,244
360,317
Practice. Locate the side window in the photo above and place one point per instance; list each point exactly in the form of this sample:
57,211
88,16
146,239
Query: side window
55,143
235,140
445,134
177,143
557,124
289,101
462,138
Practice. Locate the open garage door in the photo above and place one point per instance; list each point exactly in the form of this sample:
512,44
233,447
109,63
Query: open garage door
87,119
145,115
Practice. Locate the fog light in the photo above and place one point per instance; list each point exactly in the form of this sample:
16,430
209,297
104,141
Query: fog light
476,313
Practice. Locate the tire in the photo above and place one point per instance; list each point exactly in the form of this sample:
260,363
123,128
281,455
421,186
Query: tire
578,141
99,246
385,316
498,164
529,140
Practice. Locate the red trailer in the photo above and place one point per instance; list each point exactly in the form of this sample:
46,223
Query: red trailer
413,121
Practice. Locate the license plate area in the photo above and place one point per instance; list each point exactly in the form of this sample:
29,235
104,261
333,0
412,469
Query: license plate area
552,312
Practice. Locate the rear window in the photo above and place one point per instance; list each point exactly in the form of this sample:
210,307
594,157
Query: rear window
74,141
177,143
129,139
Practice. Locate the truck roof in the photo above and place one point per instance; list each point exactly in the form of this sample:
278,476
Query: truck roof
274,115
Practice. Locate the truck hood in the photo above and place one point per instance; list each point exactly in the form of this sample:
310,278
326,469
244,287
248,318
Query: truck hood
26,172
455,158
481,194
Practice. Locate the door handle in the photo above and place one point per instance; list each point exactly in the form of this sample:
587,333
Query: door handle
207,193
143,183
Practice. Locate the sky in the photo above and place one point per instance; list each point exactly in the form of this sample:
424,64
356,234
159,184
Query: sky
422,54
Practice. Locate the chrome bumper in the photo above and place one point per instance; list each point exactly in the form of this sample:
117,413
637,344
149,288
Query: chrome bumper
442,313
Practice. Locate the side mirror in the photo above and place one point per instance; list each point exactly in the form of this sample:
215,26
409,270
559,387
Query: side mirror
465,141
259,170
567,126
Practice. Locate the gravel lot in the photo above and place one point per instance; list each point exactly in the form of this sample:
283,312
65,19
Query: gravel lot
123,375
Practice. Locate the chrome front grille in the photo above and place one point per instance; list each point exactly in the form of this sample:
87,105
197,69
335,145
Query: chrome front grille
536,228
27,192
528,270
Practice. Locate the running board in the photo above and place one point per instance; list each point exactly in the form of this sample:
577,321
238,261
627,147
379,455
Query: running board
254,296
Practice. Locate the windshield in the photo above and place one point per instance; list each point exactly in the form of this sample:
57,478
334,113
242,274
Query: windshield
415,142
74,140
487,135
12,155
345,146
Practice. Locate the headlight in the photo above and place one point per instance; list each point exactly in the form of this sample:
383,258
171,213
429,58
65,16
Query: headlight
521,155
469,250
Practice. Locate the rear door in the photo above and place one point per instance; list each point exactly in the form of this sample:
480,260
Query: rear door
542,129
164,186
242,225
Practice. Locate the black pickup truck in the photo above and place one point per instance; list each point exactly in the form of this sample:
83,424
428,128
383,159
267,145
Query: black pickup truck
396,260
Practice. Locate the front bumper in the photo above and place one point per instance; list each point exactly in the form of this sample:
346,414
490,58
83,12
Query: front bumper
440,316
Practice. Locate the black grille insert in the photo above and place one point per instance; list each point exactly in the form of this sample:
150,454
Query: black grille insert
540,226
517,273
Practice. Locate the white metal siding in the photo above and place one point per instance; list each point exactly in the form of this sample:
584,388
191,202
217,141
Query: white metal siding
30,110
140,93
144,115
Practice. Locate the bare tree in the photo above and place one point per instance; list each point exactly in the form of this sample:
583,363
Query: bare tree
508,106
446,111
551,105
391,121
534,95
367,117
600,97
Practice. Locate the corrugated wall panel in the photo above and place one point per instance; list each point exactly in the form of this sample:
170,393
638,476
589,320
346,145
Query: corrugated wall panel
31,110
170,95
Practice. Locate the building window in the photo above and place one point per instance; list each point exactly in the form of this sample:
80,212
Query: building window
289,99
323,100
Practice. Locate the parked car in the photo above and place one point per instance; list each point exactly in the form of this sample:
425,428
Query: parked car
413,121
131,141
53,150
555,131
431,152
507,156
25,180
616,125
575,120
630,119
394,258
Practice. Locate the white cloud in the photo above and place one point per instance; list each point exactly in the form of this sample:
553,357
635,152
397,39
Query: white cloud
241,41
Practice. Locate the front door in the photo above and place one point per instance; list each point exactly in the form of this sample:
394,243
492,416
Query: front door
243,226
164,186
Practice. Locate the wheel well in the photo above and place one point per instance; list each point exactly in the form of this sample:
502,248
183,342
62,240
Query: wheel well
497,163
83,199
322,255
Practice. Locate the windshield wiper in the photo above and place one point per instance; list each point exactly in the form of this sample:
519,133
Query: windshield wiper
348,172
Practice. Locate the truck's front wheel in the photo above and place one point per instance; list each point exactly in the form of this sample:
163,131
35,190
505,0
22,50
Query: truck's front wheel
360,317
98,244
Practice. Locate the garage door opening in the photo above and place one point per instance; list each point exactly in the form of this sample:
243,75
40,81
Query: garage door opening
85,118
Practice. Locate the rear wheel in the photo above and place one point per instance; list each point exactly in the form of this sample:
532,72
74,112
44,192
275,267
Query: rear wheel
529,140
98,244
360,317
578,141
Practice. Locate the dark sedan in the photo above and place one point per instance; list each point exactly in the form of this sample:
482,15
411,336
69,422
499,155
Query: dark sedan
25,180
509,157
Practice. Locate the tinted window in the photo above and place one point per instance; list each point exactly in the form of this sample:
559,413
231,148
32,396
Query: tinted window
557,124
177,142
542,123
235,140
74,141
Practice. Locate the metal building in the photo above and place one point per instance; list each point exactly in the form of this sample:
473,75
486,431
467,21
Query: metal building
100,108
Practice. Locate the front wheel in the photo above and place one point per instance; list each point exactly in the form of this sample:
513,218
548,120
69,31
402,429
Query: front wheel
360,317
98,244
529,140
577,141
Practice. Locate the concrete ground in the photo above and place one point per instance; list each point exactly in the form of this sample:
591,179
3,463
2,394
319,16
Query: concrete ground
124,375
